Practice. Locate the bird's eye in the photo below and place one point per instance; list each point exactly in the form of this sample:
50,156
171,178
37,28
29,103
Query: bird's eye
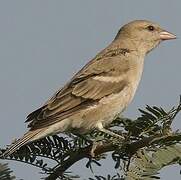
151,28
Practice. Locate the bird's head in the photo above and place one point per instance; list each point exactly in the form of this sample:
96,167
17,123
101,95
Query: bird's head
144,35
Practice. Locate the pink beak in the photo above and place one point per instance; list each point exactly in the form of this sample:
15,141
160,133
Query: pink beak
165,35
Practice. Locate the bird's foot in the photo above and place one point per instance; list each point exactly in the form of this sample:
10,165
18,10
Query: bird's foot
110,133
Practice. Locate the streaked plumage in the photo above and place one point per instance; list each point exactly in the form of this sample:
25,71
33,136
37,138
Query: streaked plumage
100,90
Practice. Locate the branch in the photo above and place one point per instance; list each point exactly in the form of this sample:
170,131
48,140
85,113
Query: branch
104,148
77,156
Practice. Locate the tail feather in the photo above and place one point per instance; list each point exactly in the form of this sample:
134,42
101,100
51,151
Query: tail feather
28,137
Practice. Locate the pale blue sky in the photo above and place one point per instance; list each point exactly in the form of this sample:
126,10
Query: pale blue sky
43,43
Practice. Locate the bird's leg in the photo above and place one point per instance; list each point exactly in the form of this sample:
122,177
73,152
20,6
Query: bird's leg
106,131
99,141
94,145
112,134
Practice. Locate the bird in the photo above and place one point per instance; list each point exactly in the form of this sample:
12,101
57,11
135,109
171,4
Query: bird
101,90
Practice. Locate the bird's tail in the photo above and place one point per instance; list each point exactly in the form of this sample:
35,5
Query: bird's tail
28,137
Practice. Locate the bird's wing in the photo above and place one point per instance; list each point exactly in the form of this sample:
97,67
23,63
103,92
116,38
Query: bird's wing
101,77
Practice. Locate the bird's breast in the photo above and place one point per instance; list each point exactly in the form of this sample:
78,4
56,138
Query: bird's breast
135,74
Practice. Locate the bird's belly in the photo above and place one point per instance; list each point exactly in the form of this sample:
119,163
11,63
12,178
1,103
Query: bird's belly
115,104
104,112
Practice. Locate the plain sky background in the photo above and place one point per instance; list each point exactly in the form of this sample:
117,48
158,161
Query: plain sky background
43,43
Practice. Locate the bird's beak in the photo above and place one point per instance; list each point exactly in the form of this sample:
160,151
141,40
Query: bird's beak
165,35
